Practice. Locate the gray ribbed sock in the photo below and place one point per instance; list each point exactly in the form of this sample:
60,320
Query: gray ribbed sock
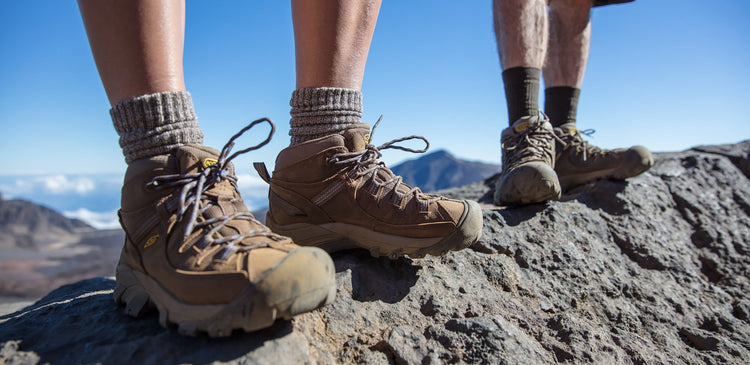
155,124
321,111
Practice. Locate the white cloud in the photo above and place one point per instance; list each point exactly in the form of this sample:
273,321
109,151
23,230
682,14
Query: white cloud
31,186
16,188
61,184
99,220
252,185
254,191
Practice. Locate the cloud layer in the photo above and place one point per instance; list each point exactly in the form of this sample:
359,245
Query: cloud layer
95,199
98,220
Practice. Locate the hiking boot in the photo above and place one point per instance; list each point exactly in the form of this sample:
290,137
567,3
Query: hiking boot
333,193
528,174
579,162
195,252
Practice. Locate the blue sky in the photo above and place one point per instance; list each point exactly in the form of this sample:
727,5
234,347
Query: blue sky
668,74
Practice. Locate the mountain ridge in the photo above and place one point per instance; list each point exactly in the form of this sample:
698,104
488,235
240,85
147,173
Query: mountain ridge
28,225
41,249
441,170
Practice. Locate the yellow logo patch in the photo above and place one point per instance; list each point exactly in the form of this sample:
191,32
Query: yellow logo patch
367,138
209,162
151,240
522,126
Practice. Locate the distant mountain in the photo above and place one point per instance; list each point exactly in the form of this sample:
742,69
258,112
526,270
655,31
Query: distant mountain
441,170
24,224
40,249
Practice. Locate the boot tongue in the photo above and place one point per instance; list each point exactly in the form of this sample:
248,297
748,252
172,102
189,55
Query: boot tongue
195,158
356,139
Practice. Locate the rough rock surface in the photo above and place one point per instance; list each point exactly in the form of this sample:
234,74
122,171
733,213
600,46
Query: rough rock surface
652,270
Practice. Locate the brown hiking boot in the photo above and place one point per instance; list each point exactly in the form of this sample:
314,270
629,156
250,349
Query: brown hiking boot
579,162
194,251
333,193
527,177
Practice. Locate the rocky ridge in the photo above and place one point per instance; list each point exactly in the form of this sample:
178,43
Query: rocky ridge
652,270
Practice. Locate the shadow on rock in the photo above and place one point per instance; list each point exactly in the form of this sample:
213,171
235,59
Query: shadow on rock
377,278
489,195
600,194
514,216
79,323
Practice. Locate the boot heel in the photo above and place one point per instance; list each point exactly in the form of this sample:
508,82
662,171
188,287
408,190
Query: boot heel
130,293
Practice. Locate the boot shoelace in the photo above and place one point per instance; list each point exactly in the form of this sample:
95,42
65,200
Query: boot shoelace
367,165
575,140
192,199
530,144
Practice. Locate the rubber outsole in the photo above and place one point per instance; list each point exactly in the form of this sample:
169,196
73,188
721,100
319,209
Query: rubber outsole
333,237
249,311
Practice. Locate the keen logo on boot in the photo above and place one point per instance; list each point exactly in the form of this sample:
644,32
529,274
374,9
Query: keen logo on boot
209,162
151,241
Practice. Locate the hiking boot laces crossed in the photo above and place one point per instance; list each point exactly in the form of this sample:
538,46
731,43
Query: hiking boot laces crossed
529,145
573,139
192,197
366,164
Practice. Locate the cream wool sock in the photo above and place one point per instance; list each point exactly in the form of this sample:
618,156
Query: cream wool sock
321,111
155,124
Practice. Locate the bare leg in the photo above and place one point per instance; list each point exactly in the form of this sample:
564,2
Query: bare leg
569,41
137,45
521,30
332,39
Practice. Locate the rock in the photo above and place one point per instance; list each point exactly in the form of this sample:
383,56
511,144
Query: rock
10,355
650,270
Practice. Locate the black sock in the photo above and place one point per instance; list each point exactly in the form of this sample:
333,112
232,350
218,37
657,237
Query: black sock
521,91
561,104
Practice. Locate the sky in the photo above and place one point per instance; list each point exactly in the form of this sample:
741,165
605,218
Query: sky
667,74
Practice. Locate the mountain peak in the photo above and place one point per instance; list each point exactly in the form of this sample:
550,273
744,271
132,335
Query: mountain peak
441,170
30,224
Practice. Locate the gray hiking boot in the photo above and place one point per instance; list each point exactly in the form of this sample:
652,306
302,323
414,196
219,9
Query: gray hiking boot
578,162
527,177
194,251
